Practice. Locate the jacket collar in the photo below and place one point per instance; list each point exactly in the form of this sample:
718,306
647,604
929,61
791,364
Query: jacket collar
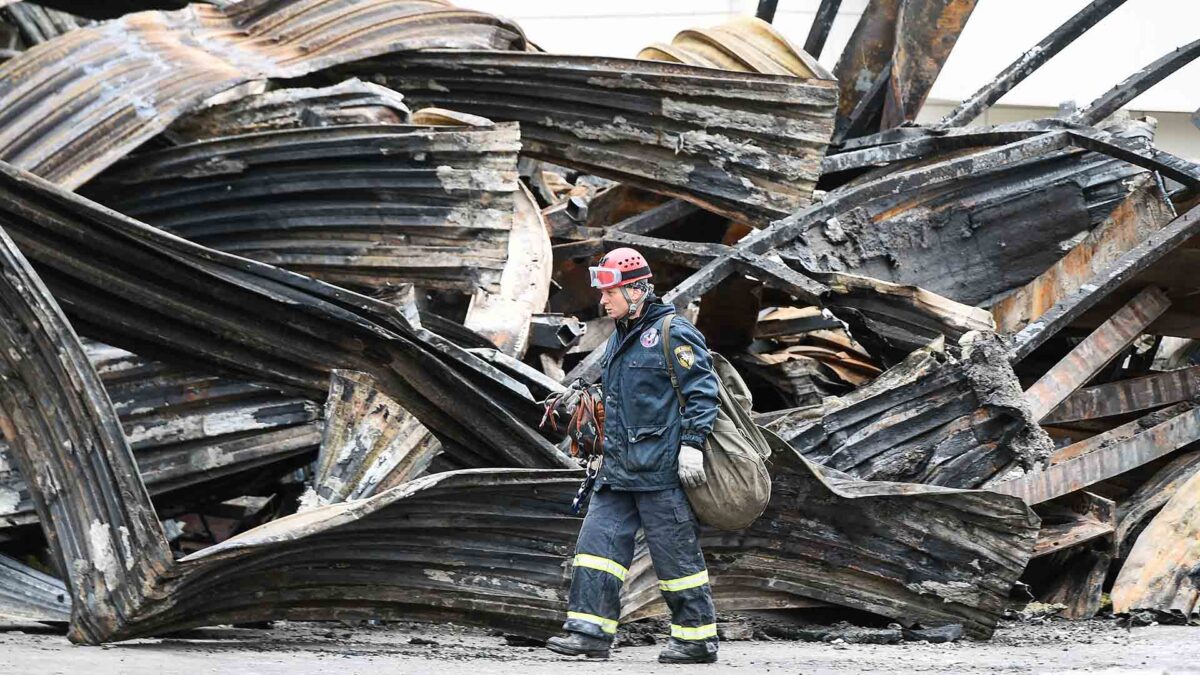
655,310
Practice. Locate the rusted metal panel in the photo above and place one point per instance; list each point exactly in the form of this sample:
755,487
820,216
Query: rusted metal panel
1162,569
1028,62
866,57
744,145
1082,518
1112,276
926,32
1152,439
1144,211
1100,347
1126,396
1134,511
68,123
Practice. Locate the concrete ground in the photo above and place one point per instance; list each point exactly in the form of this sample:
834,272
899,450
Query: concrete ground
303,648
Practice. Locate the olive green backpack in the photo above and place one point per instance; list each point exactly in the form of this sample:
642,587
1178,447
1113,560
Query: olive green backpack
738,486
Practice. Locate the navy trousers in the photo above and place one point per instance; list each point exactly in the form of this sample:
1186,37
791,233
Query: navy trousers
605,550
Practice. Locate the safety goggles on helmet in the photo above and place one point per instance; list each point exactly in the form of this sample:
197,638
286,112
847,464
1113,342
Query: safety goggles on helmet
604,277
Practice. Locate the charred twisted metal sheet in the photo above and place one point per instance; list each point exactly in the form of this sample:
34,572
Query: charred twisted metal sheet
101,525
370,442
742,144
193,434
361,206
349,102
73,106
960,424
139,288
67,439
838,539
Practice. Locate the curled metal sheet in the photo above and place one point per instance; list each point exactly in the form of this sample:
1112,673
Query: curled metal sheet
361,206
370,442
192,433
960,424
855,543
71,107
349,102
136,287
746,145
744,44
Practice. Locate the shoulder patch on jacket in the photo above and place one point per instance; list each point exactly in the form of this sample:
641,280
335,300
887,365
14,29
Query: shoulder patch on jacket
649,337
685,356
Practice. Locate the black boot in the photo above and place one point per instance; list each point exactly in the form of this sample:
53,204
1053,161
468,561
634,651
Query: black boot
578,644
681,651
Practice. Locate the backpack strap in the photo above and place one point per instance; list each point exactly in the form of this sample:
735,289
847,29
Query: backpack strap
666,340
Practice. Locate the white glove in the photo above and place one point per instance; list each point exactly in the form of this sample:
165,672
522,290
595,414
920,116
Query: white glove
691,467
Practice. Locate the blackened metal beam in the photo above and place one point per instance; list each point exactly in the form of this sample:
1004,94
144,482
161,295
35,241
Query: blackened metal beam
652,219
819,31
1106,461
1124,268
1126,396
766,10
1029,62
1096,351
1137,84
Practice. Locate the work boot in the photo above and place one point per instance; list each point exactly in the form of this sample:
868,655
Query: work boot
681,651
578,644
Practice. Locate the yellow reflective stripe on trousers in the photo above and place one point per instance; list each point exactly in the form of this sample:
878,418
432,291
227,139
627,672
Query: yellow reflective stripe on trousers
603,564
694,632
607,625
683,583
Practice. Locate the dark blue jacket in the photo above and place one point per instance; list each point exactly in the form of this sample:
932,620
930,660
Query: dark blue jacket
644,425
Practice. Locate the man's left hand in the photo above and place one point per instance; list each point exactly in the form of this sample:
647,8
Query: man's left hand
691,467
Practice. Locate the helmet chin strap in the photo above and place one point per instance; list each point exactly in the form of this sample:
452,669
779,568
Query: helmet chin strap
633,305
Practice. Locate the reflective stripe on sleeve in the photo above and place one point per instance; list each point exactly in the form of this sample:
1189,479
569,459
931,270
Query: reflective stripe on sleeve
694,632
607,625
683,583
603,564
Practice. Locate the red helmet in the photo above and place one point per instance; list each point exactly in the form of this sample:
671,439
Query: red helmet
619,267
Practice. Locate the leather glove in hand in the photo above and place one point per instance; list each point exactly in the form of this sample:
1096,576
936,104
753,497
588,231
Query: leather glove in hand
691,467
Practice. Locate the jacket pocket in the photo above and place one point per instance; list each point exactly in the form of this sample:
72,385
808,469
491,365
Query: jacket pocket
648,447
649,399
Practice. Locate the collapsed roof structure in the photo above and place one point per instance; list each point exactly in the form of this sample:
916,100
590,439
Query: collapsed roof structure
282,288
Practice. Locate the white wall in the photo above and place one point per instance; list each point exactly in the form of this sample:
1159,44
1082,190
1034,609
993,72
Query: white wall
999,30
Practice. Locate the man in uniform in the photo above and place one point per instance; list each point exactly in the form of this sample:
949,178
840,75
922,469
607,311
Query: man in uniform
652,444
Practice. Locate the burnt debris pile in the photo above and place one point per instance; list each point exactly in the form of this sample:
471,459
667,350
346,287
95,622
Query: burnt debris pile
284,282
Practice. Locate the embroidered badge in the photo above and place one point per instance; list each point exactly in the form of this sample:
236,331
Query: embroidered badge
685,356
649,337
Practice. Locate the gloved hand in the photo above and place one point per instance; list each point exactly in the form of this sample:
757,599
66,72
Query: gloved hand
691,467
